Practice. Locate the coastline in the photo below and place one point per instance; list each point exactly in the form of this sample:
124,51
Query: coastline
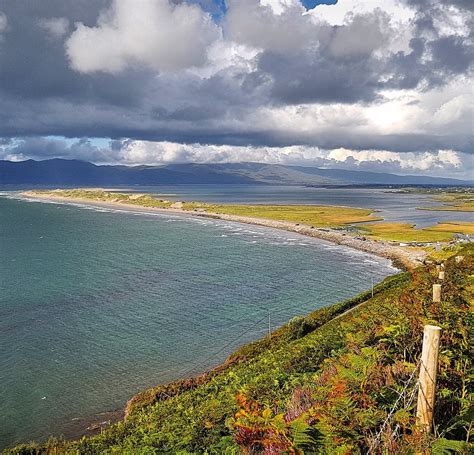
401,257
93,425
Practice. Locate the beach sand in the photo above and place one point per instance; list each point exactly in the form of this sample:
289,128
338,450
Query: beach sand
405,257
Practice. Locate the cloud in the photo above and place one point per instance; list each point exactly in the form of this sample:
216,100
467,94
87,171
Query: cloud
411,162
262,76
305,59
281,27
3,26
3,22
441,162
46,148
362,35
152,33
56,27
400,11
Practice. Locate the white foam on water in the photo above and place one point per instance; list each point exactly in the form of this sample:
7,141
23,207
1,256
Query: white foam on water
264,234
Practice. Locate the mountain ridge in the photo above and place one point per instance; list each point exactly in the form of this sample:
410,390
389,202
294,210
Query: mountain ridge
59,171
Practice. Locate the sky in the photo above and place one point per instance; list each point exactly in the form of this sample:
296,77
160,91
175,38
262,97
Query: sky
379,85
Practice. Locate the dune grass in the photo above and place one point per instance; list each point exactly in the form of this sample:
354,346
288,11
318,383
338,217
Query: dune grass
312,215
458,227
404,232
98,195
453,202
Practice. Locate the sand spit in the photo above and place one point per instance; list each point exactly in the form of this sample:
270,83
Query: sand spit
406,257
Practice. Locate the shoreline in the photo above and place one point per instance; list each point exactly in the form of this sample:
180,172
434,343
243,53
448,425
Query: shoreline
400,257
94,424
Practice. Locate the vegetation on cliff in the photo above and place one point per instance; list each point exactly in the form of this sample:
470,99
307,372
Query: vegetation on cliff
327,383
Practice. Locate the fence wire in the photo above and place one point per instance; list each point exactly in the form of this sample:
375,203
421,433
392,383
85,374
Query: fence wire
404,400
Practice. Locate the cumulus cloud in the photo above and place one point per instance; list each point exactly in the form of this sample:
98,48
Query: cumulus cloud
362,35
153,33
280,27
131,152
424,161
437,163
149,152
381,79
398,10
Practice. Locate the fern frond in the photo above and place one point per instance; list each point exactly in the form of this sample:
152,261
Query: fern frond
444,446
300,431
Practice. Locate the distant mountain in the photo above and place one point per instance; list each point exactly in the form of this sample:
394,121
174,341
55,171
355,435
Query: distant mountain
72,172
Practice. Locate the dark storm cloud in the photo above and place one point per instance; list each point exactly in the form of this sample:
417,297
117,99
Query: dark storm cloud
433,58
308,77
318,74
423,4
451,54
44,148
42,95
33,64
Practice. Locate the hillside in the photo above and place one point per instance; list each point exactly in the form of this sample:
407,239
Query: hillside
326,383
79,173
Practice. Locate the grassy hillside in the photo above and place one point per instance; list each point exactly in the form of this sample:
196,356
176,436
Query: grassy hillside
325,383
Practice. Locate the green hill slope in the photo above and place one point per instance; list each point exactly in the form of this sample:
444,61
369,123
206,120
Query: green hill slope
325,383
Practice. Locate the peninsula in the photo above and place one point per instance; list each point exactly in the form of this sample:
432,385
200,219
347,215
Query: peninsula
331,223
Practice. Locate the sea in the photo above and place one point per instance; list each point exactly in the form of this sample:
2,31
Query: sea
97,304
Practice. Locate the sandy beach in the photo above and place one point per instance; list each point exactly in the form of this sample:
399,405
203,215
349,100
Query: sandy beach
405,257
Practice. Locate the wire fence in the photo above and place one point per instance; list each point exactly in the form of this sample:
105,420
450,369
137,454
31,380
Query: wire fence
404,400
270,316
205,362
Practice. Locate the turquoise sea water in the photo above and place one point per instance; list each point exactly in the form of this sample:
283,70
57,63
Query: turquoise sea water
96,305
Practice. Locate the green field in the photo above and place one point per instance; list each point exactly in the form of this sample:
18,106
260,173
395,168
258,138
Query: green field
402,232
311,215
453,201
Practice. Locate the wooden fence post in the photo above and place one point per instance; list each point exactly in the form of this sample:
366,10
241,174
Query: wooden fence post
427,378
436,293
